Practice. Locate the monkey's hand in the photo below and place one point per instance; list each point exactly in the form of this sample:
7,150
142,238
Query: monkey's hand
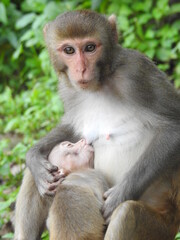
47,177
113,197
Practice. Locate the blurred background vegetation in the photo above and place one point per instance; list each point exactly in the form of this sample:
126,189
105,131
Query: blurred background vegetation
29,103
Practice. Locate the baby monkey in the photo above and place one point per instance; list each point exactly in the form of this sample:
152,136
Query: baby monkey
69,157
74,161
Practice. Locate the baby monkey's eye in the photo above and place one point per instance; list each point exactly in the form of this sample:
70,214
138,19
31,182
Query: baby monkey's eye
67,144
90,48
69,50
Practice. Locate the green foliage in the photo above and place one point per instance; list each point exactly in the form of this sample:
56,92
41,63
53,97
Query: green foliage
152,28
177,236
29,103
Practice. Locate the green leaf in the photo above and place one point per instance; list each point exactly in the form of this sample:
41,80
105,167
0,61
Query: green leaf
8,235
177,85
31,42
150,53
177,236
129,40
3,16
163,54
175,8
157,14
45,235
25,20
11,36
144,18
18,52
95,4
150,34
39,22
34,6
176,25
123,22
142,6
125,10
11,125
6,204
51,10
27,35
5,170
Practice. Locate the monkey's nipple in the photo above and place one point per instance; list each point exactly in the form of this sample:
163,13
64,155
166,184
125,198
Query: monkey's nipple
107,136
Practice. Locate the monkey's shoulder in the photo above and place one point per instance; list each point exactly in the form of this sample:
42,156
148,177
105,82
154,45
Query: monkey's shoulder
135,62
140,82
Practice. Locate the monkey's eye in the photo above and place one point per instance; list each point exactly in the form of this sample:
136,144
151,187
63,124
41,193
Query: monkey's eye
90,48
67,144
69,50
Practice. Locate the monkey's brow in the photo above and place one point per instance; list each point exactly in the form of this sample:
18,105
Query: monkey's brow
62,46
78,40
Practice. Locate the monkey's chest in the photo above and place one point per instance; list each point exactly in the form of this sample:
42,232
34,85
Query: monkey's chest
118,144
118,150
116,156
117,134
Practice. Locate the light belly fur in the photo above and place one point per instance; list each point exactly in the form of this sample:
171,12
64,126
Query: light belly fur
116,156
130,133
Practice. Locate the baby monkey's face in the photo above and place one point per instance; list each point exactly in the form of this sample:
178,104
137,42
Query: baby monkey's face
72,156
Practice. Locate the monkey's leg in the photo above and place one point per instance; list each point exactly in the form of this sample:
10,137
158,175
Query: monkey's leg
31,210
134,220
75,215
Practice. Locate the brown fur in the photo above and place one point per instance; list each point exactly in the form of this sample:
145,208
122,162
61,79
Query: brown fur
67,215
156,216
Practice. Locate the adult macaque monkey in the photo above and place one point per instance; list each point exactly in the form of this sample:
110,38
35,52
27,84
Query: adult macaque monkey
120,102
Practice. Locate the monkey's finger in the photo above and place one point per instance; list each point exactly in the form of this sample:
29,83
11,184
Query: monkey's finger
60,173
105,196
50,178
106,216
107,193
51,168
43,189
55,173
53,186
51,193
106,210
59,177
103,209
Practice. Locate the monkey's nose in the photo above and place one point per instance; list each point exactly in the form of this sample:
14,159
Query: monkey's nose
82,142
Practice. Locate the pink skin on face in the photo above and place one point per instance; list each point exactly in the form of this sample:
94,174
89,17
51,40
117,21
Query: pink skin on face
69,156
80,58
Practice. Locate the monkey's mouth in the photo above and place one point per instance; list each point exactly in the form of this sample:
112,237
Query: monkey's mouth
83,83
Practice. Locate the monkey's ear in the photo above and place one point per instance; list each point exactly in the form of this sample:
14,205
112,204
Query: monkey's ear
112,21
45,28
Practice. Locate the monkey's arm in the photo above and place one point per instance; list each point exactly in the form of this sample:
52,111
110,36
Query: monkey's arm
45,174
162,155
148,88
